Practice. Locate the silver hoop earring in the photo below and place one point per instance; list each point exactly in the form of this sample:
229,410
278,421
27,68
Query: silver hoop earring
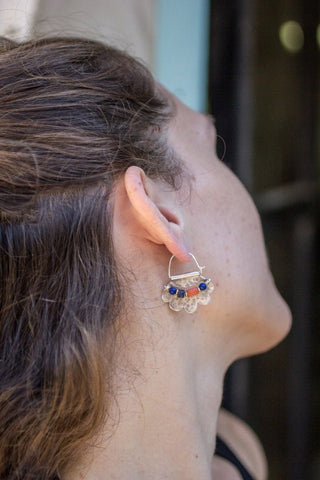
187,290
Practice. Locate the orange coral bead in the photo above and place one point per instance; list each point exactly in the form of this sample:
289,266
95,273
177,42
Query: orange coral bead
191,292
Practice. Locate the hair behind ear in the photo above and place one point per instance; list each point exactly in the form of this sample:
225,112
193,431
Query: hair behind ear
75,114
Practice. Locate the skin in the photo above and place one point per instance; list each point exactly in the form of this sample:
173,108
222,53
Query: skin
245,444
171,365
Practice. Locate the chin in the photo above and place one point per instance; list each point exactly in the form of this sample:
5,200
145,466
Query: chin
275,324
282,321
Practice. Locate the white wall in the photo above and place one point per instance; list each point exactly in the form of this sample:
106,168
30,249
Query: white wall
170,36
128,24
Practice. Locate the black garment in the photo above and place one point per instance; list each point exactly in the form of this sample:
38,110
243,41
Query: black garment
222,450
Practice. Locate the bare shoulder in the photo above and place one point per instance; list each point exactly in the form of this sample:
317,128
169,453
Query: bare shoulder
244,443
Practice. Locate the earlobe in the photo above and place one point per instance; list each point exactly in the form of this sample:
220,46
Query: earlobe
158,222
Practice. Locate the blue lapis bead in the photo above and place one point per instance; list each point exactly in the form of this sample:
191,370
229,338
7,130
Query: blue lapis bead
202,286
172,290
181,293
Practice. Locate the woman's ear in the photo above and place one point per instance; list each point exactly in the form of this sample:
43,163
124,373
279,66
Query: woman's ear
156,220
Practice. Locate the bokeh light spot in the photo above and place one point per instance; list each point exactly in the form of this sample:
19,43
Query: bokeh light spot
291,36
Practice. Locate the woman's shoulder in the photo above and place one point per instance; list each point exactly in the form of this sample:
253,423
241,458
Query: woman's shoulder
244,443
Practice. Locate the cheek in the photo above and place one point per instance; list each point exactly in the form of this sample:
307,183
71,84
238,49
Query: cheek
227,231
241,244
227,237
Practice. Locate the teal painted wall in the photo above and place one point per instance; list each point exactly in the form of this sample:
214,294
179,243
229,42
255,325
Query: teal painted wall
181,49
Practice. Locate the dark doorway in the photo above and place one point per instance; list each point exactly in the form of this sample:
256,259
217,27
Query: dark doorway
264,93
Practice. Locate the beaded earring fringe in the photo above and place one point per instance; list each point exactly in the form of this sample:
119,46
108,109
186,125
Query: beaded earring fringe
187,290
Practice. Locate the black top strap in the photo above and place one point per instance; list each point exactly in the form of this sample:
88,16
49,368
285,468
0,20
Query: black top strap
222,450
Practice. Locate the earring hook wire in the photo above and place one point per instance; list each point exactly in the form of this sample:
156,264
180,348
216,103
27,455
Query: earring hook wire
188,274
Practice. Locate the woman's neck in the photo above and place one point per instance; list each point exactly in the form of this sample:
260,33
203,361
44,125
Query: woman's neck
165,416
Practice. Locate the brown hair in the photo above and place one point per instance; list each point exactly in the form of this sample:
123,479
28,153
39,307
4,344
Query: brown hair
74,115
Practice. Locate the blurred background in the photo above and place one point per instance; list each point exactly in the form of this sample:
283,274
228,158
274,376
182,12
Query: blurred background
253,64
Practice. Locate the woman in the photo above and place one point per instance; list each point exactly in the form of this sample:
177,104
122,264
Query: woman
109,368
